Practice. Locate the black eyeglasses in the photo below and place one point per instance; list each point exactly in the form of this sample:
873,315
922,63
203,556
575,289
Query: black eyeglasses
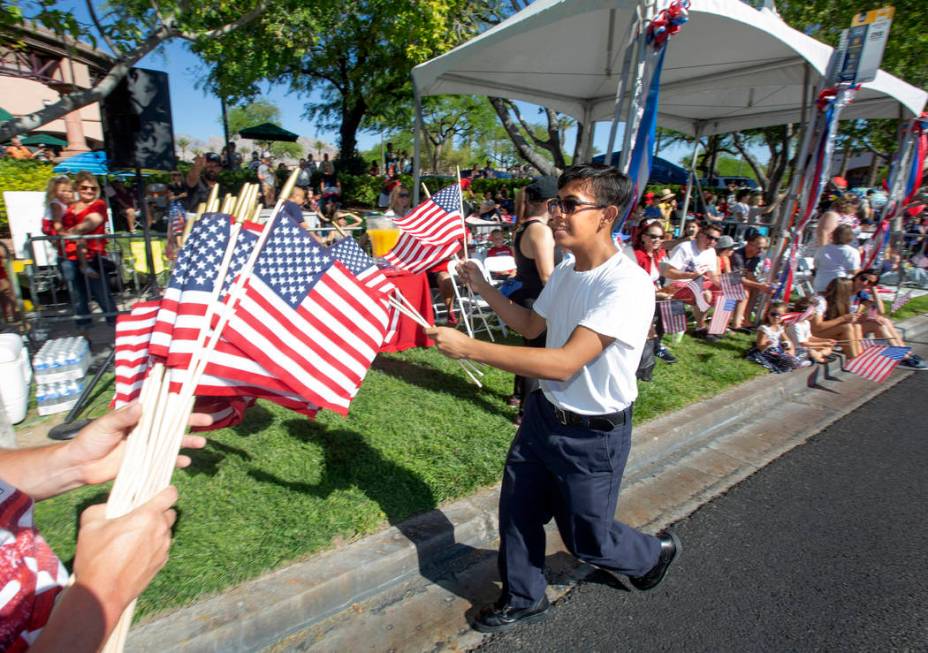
569,205
711,239
655,236
404,194
773,315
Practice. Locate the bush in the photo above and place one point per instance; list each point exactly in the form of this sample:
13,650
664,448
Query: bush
18,175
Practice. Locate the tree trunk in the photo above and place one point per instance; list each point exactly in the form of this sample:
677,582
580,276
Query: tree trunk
352,115
525,150
873,169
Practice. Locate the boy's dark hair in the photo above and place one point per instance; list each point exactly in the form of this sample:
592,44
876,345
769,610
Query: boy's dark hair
741,194
606,184
706,225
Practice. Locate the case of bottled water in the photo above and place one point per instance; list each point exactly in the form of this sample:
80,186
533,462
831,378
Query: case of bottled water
61,359
58,396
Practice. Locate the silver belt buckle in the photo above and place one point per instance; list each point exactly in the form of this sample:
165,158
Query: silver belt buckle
560,416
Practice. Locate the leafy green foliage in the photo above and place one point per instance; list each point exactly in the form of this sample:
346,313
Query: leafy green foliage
251,114
18,175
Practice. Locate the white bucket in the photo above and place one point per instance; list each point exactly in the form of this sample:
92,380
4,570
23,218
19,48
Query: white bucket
15,374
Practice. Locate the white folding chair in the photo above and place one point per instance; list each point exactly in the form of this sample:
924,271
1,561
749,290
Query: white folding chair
499,265
469,304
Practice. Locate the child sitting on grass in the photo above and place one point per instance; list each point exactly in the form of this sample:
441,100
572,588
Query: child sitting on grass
773,348
807,346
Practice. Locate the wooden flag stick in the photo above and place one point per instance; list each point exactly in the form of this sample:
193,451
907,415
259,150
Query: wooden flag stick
212,200
425,189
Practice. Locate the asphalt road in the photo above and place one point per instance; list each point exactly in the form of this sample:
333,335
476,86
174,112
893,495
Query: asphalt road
824,549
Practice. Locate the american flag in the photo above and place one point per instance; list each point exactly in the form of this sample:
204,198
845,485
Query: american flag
361,265
198,261
366,270
133,331
877,362
732,286
673,316
724,307
902,300
412,255
307,319
695,287
797,316
438,220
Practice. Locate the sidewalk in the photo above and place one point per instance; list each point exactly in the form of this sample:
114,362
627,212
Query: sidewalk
413,586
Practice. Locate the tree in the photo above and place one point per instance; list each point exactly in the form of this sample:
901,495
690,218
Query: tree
130,30
284,149
251,114
904,57
319,146
449,118
542,148
354,67
182,143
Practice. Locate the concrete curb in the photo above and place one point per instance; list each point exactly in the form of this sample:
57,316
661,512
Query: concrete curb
697,447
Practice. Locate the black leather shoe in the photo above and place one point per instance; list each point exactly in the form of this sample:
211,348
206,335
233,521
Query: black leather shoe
497,619
670,549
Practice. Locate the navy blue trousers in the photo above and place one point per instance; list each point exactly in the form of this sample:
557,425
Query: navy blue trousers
571,474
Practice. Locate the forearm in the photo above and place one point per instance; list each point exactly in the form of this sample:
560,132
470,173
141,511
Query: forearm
675,275
41,472
81,622
533,362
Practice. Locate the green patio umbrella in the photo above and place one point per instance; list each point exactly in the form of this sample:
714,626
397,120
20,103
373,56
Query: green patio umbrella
45,139
268,132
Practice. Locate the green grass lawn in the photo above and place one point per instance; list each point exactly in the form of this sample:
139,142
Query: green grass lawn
278,488
917,306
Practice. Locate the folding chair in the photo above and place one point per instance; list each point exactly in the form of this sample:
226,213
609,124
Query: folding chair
499,265
470,305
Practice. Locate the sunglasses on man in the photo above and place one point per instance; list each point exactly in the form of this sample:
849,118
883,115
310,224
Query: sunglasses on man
569,205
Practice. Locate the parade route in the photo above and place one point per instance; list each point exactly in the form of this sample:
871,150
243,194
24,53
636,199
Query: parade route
818,551
416,585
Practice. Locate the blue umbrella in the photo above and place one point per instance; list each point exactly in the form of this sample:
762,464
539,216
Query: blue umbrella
92,162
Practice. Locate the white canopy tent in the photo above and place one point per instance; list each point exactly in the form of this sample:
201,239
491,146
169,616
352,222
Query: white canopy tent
731,67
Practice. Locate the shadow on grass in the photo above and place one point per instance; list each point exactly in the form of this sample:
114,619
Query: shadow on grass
351,462
206,461
434,380
257,419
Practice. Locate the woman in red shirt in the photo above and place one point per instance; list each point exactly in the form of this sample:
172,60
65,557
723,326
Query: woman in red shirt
649,252
82,263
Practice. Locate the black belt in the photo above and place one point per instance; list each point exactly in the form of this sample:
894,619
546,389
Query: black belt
596,422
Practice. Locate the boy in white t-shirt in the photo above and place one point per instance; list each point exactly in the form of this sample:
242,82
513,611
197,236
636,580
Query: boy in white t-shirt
567,459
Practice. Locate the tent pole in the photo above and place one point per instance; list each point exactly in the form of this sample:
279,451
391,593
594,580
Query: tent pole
797,168
634,103
628,51
417,144
691,178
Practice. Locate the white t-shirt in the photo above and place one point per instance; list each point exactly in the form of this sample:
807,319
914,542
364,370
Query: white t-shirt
740,211
834,261
265,175
686,257
615,299
799,332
